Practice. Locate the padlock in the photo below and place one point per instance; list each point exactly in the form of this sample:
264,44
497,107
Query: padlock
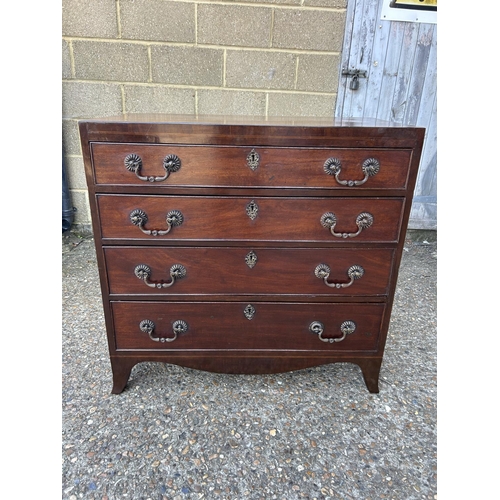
354,85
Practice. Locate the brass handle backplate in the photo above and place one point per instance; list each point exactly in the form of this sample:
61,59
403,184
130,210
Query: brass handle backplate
133,163
178,327
322,271
139,218
143,272
370,167
329,220
347,327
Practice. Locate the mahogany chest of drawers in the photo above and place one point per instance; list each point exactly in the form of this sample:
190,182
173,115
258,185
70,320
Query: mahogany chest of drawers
247,245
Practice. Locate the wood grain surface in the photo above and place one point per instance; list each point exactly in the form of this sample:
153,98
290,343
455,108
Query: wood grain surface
227,166
223,271
275,326
279,219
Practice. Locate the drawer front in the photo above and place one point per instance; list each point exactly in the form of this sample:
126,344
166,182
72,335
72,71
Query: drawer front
250,219
226,166
273,326
247,271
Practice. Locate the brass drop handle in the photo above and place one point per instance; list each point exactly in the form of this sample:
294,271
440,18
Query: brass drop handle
355,272
139,218
178,327
133,163
370,167
329,220
143,272
347,327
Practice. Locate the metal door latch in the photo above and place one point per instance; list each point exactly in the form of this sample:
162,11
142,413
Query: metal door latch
356,74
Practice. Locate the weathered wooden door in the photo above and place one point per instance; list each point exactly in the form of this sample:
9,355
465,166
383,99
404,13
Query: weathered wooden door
399,59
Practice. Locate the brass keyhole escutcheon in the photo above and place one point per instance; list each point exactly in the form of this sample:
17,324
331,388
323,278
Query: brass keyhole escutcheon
253,159
252,210
251,259
249,312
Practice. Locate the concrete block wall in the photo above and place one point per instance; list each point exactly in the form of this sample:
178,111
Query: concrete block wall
248,57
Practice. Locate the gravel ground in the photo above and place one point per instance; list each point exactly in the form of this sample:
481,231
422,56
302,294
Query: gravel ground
180,434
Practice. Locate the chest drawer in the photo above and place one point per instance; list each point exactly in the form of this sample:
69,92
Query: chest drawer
264,219
273,326
249,167
181,271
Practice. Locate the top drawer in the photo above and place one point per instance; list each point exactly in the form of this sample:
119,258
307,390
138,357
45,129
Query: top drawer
246,167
